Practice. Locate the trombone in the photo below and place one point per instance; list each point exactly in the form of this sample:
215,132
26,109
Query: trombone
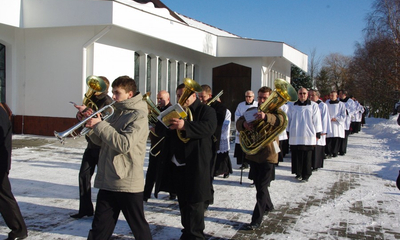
215,98
72,130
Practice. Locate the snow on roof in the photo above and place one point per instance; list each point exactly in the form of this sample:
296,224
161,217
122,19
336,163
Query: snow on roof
165,13
206,27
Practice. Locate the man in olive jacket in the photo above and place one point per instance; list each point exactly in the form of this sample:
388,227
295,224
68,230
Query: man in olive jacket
262,163
120,177
186,167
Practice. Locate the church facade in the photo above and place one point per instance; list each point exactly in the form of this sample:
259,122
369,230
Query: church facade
49,47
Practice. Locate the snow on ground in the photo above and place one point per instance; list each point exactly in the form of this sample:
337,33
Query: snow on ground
356,192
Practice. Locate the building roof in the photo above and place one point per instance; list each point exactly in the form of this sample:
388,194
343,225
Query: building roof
156,20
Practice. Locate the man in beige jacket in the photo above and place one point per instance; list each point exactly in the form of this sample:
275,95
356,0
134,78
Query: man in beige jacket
120,178
262,163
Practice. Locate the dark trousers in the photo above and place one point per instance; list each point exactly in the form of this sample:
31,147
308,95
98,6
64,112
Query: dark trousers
9,209
332,146
262,177
318,156
89,161
343,143
150,177
302,159
240,156
108,206
192,219
284,146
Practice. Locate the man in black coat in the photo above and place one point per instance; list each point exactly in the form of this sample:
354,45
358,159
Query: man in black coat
222,162
90,156
163,102
9,208
186,166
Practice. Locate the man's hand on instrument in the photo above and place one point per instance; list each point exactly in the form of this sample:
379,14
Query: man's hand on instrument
177,123
93,121
247,126
259,115
80,108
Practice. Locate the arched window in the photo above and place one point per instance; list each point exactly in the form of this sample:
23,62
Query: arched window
2,73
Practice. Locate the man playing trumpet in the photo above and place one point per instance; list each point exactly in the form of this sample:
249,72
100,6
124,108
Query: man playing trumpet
120,177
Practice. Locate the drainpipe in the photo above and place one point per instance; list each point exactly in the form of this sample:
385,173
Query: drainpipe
85,46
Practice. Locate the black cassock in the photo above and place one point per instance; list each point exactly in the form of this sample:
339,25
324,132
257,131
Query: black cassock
191,182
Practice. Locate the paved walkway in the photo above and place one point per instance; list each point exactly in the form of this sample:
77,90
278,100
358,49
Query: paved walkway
349,198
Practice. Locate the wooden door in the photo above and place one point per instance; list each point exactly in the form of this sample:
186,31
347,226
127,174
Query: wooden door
235,80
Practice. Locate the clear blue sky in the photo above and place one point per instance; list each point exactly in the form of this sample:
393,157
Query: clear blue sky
329,26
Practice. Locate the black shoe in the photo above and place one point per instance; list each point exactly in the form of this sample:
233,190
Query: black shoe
298,177
304,180
268,210
252,185
16,238
251,226
172,196
81,215
226,175
342,154
243,167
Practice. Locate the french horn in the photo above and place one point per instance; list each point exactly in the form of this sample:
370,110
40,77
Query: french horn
252,141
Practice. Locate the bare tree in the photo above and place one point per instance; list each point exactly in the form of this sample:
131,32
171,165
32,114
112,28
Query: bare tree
336,67
384,21
375,67
313,66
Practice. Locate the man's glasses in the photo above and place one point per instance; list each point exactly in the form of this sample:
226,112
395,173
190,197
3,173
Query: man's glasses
248,96
302,93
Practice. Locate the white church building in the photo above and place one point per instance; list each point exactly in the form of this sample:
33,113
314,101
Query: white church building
49,47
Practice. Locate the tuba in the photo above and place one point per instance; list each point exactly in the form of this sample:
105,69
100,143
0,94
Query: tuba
263,133
154,112
95,85
191,87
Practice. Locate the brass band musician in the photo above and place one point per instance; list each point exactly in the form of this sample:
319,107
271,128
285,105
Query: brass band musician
261,163
186,166
91,155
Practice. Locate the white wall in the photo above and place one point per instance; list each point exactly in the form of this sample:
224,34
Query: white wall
48,65
112,62
10,13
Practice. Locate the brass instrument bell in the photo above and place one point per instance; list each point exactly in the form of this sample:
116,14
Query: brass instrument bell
95,85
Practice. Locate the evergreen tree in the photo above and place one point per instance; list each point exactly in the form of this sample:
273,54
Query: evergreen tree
300,78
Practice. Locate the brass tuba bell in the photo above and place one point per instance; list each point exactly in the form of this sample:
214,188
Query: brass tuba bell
95,85
263,133
191,87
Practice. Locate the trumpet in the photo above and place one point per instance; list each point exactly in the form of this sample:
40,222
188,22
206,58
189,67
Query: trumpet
72,130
